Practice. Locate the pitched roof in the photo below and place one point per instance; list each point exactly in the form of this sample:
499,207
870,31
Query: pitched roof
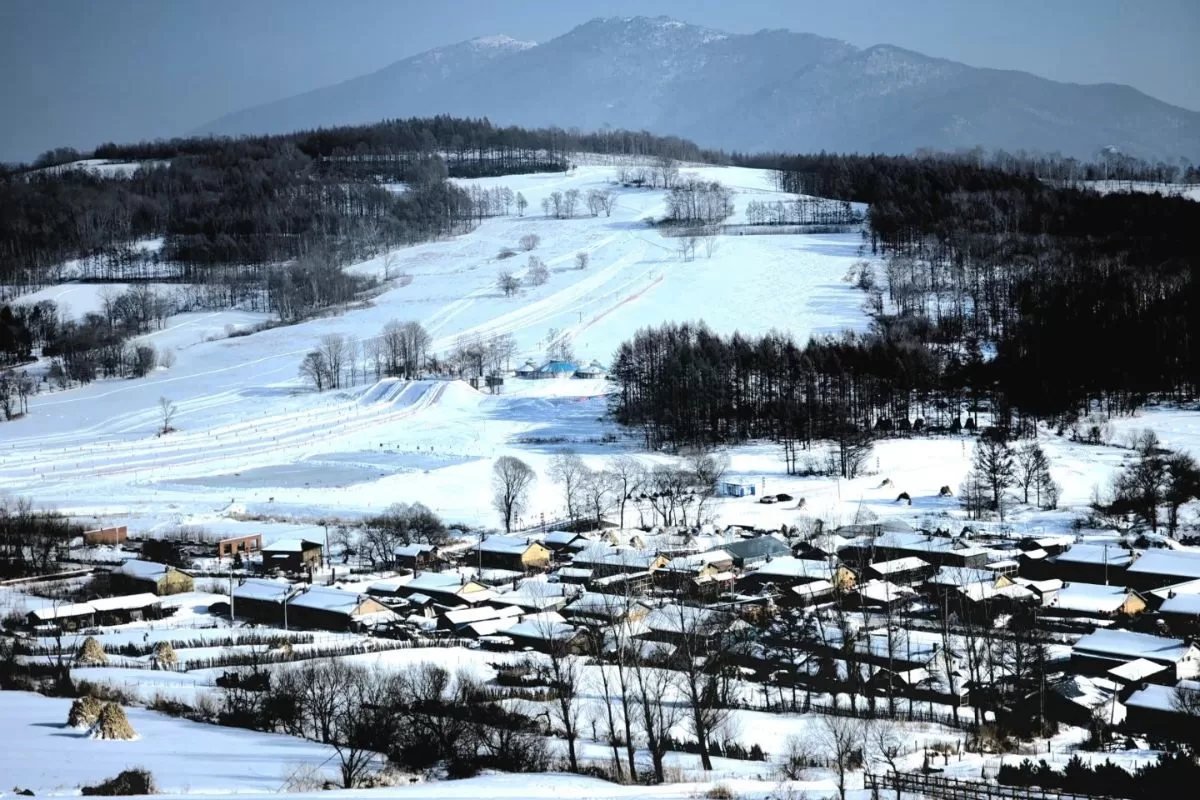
63,611
1090,598
507,545
1187,604
1113,555
125,603
326,598
1160,698
906,564
414,550
266,589
142,570
791,567
1131,645
1174,563
758,547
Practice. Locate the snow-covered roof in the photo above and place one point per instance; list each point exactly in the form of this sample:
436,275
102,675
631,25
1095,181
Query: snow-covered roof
1113,555
463,616
1174,563
539,594
906,564
508,545
63,611
792,567
961,576
884,591
695,561
675,618
1041,587
326,598
547,626
1159,698
125,603
580,573
490,627
263,589
1136,670
758,547
1131,645
1186,604
599,604
812,588
414,550
291,546
986,591
557,367
561,537
1089,598
142,570
1187,587
1085,691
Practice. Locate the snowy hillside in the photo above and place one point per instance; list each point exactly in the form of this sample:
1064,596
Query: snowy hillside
252,436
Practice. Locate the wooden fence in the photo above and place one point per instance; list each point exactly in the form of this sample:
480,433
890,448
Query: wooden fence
938,787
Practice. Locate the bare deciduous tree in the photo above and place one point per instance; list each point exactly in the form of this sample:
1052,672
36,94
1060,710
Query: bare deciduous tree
581,260
530,241
334,348
512,479
568,471
508,283
166,413
536,272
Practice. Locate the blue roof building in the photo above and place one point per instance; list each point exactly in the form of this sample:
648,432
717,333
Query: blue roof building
556,369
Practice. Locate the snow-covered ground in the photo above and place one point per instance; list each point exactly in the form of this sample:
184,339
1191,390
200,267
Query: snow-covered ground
39,752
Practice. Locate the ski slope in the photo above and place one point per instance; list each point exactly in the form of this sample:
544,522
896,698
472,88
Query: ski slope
250,435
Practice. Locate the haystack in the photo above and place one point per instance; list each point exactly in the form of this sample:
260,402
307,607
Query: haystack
113,724
91,653
164,656
84,712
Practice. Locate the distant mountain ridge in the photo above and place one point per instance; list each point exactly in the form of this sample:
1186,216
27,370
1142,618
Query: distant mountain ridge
770,90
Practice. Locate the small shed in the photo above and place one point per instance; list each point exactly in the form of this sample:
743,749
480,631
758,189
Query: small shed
417,556
526,370
751,553
735,489
137,576
513,553
326,608
292,555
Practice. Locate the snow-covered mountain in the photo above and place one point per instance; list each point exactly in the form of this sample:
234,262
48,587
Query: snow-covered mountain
773,89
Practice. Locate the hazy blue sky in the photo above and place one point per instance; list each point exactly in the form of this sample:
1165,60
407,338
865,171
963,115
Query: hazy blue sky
79,72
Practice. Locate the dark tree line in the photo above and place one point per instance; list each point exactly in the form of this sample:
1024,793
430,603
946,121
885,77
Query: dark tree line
685,385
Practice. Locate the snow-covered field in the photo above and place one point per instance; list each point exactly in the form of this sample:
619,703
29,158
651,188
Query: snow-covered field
42,754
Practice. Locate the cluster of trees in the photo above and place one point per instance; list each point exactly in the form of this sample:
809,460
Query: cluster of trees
683,385
401,350
417,718
997,467
1159,481
696,202
564,205
676,493
662,173
32,541
401,524
803,210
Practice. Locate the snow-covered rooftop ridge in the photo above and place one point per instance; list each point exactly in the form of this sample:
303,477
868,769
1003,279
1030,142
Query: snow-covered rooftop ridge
1131,644
147,570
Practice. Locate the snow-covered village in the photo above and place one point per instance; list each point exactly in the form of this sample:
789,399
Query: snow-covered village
444,458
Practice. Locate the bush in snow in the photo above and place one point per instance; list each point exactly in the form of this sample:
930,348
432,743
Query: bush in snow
129,782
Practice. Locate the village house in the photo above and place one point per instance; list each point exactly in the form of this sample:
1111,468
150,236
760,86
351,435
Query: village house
512,552
1090,600
536,595
239,546
1155,710
124,609
884,595
110,537
908,571
1154,569
565,542
330,609
262,599
135,576
783,573
446,589
688,627
64,616
292,555
576,575
465,621
591,371
943,551
547,632
417,556
633,584
594,608
604,560
1090,563
1181,613
753,553
1103,649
